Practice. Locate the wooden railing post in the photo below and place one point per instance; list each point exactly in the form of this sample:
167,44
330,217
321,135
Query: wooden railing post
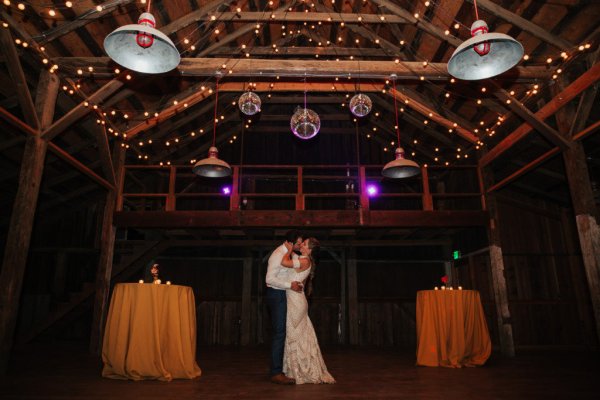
362,184
234,199
171,202
427,199
300,193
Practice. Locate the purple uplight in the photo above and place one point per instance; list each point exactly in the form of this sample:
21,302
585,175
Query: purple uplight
372,190
226,190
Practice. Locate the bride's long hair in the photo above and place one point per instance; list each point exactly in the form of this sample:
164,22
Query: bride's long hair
315,247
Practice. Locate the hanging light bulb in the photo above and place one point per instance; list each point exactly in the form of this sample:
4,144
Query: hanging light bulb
400,167
152,52
305,123
360,105
249,103
485,54
212,166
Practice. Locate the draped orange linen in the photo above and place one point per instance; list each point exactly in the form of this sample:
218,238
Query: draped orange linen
451,329
150,333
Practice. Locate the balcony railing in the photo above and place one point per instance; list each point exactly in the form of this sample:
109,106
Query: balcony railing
291,187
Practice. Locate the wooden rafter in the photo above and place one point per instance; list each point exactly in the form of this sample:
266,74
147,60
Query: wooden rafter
539,125
107,8
523,24
195,16
80,110
587,79
420,23
295,16
433,115
18,78
194,98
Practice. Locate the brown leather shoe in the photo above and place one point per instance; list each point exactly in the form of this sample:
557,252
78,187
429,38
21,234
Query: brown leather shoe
281,379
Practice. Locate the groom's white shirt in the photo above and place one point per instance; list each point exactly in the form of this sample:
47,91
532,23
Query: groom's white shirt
277,274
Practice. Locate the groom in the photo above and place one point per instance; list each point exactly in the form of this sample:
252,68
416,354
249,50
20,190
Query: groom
277,303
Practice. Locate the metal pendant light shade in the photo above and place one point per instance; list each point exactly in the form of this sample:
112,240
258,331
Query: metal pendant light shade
400,167
484,55
212,166
142,48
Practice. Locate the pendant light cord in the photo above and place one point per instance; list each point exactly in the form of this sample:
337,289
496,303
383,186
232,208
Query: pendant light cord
215,119
305,90
396,111
148,9
476,13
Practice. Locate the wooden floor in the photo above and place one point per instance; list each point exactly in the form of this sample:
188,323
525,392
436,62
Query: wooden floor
66,371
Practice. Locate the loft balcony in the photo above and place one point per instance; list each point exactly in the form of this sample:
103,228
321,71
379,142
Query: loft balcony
299,196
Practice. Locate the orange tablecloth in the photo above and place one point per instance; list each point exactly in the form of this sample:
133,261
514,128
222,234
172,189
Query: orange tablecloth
150,333
451,329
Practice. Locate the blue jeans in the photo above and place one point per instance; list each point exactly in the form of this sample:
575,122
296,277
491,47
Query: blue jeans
277,303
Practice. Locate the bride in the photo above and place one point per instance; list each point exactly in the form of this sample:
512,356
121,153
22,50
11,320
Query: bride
302,359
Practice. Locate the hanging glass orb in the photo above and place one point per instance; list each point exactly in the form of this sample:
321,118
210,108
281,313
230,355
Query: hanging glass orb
305,123
360,105
249,103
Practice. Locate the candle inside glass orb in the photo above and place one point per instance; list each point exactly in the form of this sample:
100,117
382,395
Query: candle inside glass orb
460,288
141,281
168,282
157,282
443,287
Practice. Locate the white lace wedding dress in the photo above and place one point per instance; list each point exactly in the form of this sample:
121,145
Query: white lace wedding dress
302,359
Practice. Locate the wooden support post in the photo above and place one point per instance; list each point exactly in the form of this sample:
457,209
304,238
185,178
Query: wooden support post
246,301
582,198
21,222
507,345
353,317
362,186
17,242
104,271
427,199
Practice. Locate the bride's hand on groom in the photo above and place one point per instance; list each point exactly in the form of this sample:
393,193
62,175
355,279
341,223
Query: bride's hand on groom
297,286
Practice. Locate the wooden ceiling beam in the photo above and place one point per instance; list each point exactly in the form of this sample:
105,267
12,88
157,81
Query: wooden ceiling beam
15,70
92,15
518,108
266,68
80,110
197,95
419,23
79,166
523,24
587,79
432,115
195,16
295,16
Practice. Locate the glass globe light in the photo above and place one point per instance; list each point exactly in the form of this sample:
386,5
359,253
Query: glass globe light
360,105
305,123
249,103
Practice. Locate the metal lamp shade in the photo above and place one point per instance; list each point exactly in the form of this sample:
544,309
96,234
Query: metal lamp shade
212,166
161,56
400,167
465,63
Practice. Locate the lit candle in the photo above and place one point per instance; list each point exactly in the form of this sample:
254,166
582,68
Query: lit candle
460,288
141,281
443,287
436,288
451,288
168,282
157,282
